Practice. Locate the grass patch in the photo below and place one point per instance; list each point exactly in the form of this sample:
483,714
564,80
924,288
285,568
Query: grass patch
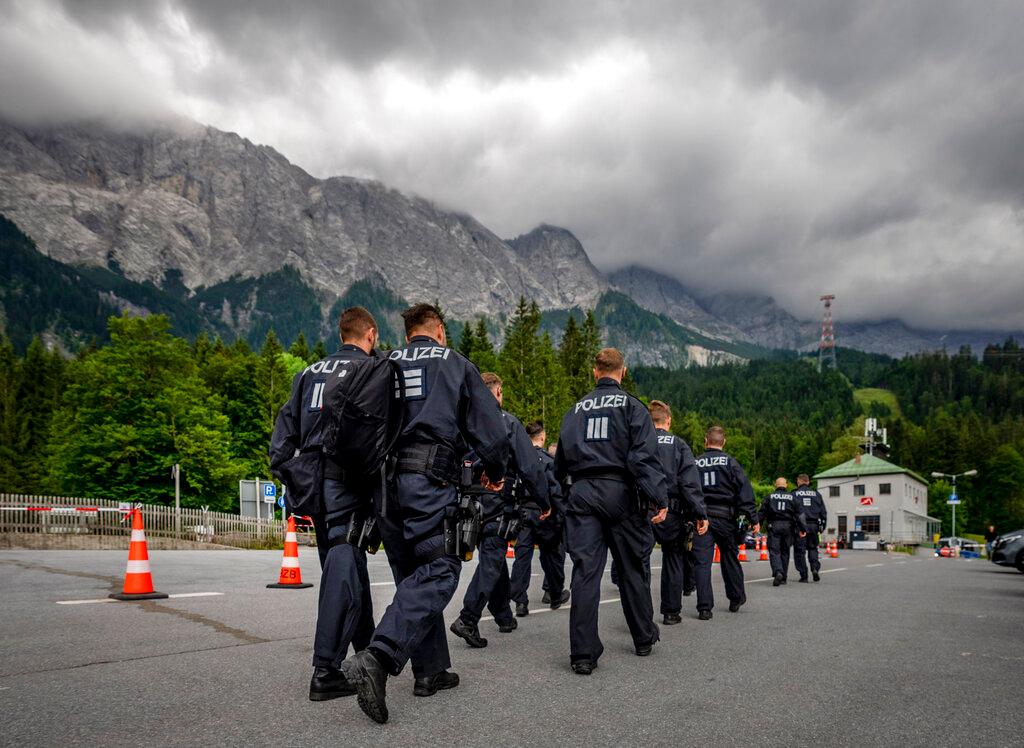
868,395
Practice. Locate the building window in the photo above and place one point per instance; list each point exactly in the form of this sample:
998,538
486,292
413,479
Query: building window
859,489
884,488
833,491
870,524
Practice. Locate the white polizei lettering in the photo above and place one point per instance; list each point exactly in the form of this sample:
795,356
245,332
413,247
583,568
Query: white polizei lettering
138,536
597,403
712,461
138,567
666,439
289,562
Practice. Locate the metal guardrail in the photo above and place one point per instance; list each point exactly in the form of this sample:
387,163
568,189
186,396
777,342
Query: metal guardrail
58,521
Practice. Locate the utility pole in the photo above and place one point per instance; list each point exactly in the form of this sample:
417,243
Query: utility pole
176,474
954,497
827,343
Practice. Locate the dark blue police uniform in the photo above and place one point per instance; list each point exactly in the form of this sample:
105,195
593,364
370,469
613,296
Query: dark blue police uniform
345,614
784,516
490,583
446,401
816,519
548,535
727,495
685,504
608,449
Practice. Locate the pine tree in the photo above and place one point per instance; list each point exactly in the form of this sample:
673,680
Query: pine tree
272,381
466,341
319,352
483,351
300,348
11,437
38,390
517,363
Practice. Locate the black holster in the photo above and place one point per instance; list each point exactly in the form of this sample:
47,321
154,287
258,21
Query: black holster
362,532
511,523
687,538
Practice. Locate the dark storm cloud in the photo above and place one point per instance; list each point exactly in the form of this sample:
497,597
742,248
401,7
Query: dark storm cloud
868,149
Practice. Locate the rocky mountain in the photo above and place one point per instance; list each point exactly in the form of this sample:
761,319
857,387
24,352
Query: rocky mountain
229,237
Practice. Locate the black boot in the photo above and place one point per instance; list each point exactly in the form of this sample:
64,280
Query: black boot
704,615
469,632
509,626
546,600
735,605
584,667
431,684
778,580
559,601
522,610
329,683
816,576
671,619
370,678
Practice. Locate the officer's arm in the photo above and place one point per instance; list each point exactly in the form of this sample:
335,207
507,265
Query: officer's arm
285,439
746,503
689,481
483,425
801,518
642,462
554,487
528,466
822,512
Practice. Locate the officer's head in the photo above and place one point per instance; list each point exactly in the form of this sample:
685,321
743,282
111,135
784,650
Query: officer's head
661,414
610,363
424,319
714,438
358,327
535,430
493,382
781,483
803,479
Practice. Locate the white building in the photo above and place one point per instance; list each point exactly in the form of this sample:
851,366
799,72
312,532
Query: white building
870,499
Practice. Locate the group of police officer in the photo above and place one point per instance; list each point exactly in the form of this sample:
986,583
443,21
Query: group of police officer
619,481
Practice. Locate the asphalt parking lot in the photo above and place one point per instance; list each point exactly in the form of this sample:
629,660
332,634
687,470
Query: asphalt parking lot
886,649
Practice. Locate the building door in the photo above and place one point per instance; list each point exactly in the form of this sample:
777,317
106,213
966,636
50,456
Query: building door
841,534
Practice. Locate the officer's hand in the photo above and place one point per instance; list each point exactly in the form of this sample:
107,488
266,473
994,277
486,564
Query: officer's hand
658,518
803,535
545,515
757,528
486,483
702,526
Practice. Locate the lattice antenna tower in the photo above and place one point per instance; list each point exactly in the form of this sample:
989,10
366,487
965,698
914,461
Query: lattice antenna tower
827,344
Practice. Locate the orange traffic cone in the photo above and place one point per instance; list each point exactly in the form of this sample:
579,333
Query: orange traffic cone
833,549
511,552
291,575
718,555
763,555
743,552
138,581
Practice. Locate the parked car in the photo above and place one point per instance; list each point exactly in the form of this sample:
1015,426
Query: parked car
967,548
1008,550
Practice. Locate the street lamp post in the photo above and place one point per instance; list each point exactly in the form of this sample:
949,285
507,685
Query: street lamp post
965,474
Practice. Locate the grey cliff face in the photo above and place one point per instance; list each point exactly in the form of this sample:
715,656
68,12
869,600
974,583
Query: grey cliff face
560,261
214,205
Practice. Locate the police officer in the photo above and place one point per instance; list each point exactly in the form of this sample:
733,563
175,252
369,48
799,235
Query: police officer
445,401
490,583
728,497
785,519
345,614
685,505
608,449
816,519
548,534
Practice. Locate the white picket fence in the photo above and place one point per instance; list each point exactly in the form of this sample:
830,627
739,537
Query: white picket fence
74,522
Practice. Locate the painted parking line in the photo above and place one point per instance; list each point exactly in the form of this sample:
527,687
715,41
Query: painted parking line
769,579
111,600
872,566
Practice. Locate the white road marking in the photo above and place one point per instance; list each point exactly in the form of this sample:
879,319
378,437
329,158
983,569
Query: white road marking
549,610
382,584
111,600
871,566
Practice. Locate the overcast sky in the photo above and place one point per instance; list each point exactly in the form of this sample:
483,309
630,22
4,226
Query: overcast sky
873,150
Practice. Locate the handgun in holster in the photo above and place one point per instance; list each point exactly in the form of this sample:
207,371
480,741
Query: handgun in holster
462,523
688,528
511,521
363,533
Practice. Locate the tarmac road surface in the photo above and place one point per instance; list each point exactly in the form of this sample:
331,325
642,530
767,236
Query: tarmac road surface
885,650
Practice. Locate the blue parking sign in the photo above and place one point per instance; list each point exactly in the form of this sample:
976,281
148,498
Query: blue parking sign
269,490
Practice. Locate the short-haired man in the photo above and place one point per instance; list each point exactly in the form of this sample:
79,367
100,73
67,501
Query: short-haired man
685,505
728,496
784,516
816,519
548,534
490,583
608,448
445,402
345,614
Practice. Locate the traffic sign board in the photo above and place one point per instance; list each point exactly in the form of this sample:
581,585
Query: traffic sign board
270,490
280,501
953,499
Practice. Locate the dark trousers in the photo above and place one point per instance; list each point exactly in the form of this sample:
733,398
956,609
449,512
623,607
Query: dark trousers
723,534
549,536
780,539
490,583
806,546
413,625
672,535
345,607
600,518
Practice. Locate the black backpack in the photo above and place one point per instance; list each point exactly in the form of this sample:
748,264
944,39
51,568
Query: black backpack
362,415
